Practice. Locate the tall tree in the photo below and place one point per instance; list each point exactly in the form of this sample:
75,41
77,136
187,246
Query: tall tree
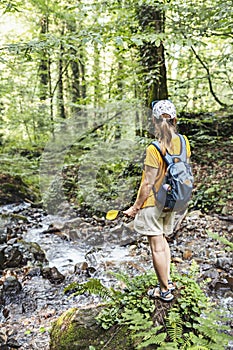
152,20
60,92
43,65
75,69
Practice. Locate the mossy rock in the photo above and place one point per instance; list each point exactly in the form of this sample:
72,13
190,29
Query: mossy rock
32,252
77,329
14,190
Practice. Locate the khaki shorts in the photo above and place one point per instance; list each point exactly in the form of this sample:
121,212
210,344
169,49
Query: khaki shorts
150,221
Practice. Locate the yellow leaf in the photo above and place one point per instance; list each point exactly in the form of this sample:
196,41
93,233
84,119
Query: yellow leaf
112,214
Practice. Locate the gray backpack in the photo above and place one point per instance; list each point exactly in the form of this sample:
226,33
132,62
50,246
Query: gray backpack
176,189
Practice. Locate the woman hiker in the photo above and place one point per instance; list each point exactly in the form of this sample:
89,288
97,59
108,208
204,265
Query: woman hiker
149,219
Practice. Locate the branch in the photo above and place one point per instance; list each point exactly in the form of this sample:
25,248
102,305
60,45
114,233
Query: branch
225,218
56,85
224,35
89,132
112,337
208,77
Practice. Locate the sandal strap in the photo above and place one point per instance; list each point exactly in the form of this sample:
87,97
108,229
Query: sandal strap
152,292
169,282
164,294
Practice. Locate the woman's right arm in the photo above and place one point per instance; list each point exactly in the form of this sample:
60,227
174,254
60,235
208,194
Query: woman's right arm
144,190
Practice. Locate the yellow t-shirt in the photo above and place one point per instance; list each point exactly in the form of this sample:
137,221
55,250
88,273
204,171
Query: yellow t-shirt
154,159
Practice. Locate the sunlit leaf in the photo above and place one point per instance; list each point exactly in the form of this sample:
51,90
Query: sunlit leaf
112,214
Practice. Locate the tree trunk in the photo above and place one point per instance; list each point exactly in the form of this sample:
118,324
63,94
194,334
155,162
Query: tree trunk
151,18
45,86
119,97
43,66
83,74
75,70
96,74
50,98
60,93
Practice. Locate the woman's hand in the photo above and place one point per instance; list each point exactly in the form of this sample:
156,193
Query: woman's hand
131,212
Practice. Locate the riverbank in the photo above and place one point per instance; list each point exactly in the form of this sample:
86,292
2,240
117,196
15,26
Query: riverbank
76,249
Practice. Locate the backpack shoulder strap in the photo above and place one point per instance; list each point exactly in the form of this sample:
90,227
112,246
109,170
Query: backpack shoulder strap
167,157
183,150
156,144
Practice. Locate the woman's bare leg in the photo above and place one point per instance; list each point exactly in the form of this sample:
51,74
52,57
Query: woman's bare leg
161,259
168,257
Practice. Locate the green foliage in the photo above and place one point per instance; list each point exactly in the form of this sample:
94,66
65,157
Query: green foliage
174,326
93,286
190,323
68,33
42,330
99,174
142,329
211,157
19,165
221,239
132,298
192,300
10,6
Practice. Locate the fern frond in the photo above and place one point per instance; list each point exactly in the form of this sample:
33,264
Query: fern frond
153,340
135,320
70,288
211,328
146,334
198,348
168,346
142,328
93,286
174,326
198,341
173,317
121,276
187,338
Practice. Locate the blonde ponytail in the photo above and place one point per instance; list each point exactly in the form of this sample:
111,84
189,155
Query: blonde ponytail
164,130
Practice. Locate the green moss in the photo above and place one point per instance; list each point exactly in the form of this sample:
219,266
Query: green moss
77,329
14,189
60,332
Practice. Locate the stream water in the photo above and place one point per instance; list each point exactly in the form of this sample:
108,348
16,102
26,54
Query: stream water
65,254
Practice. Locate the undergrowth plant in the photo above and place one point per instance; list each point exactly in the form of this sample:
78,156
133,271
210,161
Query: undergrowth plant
222,239
188,324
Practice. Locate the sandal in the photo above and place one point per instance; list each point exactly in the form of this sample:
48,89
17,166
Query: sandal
163,296
154,292
171,286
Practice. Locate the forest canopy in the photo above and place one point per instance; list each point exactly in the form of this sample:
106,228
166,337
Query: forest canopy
58,56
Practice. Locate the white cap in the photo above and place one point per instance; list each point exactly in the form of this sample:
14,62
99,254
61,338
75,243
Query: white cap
164,107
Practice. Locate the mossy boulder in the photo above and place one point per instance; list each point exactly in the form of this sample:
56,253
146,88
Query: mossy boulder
32,251
77,329
14,190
